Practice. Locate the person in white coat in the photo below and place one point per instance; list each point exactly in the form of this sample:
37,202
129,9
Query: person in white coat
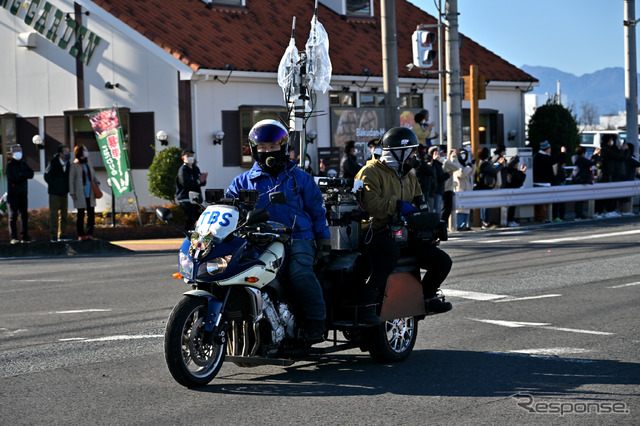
463,181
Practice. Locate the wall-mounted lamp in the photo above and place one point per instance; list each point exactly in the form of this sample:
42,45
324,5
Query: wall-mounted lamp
67,17
346,89
512,134
366,72
228,67
374,90
163,137
38,141
218,136
110,85
311,136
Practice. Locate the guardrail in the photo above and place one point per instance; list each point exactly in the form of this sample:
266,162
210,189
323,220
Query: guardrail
545,195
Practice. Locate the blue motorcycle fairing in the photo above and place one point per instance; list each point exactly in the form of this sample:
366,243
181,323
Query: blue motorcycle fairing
214,308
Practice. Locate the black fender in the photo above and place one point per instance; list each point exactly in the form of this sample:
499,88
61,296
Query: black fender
214,308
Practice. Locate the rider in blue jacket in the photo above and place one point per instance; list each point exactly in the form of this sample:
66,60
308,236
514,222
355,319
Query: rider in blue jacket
304,212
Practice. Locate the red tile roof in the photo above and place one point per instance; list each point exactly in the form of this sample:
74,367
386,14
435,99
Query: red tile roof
254,38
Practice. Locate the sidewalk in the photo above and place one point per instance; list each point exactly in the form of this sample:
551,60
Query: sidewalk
89,247
163,244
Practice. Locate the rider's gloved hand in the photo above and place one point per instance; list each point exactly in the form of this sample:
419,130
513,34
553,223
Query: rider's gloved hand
405,208
323,250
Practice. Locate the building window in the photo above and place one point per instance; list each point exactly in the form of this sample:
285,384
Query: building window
370,99
250,115
410,100
359,7
342,99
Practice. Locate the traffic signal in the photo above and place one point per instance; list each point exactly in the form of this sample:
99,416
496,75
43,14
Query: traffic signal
423,52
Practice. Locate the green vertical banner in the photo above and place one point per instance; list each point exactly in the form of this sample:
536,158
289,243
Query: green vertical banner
106,125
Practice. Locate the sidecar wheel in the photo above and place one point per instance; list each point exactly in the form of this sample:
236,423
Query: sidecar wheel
393,341
191,361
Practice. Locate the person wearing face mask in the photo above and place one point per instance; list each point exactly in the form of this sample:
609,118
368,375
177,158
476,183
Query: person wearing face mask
390,190
81,174
375,149
57,177
189,179
18,175
307,164
349,165
612,165
304,212
463,181
449,166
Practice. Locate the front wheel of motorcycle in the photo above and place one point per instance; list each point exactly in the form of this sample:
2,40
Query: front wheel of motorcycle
393,341
192,360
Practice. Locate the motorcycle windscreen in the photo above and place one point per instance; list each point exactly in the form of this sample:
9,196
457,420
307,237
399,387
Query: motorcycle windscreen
218,220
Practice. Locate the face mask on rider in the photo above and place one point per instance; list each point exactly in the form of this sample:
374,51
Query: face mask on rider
307,163
17,155
377,151
190,159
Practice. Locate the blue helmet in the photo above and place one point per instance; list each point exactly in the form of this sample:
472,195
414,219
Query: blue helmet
269,131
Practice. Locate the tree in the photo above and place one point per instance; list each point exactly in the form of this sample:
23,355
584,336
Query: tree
554,123
163,171
589,113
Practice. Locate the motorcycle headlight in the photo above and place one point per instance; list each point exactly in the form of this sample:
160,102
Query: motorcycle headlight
201,245
214,266
186,265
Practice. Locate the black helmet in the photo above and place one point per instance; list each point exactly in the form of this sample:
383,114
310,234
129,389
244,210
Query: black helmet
269,131
399,138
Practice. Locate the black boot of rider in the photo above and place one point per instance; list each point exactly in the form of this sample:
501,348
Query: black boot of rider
314,331
437,305
367,302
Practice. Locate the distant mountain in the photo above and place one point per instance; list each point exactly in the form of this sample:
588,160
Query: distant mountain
603,88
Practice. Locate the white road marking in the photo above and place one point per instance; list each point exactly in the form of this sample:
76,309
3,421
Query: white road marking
588,237
111,338
497,241
547,326
551,358
551,351
10,333
625,285
511,324
575,330
472,295
80,311
517,299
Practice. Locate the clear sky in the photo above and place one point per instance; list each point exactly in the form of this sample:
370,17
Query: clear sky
575,36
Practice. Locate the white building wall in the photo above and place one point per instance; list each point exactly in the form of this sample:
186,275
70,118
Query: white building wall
41,82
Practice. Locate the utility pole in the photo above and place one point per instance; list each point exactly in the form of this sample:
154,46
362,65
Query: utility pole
454,95
389,63
631,73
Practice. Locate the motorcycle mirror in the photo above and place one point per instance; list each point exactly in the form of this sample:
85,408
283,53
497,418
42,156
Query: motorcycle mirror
164,214
257,216
195,198
277,198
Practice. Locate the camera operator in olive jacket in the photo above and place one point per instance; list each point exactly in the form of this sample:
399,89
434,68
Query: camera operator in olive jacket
391,189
